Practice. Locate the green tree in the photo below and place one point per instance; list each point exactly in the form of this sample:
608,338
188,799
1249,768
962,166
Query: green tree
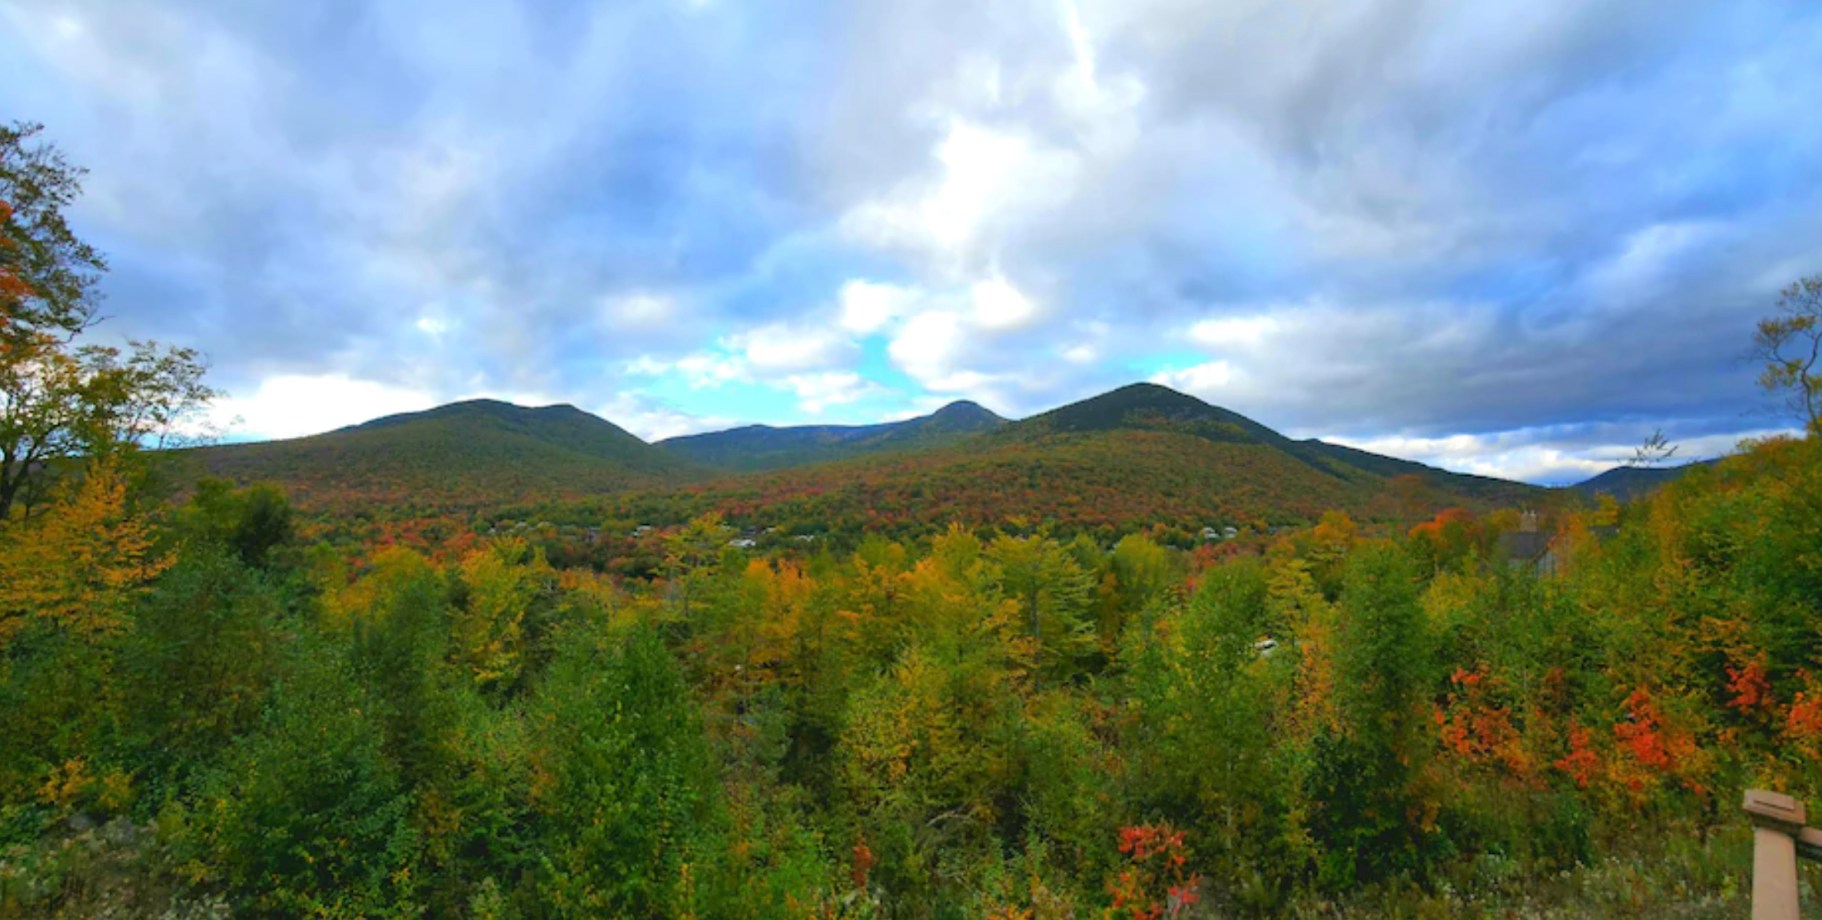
1365,777
1053,593
1790,344
1207,688
199,660
623,781
1138,577
400,645
307,816
692,548
250,522
47,275
58,399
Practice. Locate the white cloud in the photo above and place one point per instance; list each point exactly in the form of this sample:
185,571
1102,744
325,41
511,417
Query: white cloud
1552,455
1646,262
816,392
979,165
1206,381
293,405
699,370
931,348
1484,456
654,422
1230,331
641,310
789,347
927,345
777,352
1103,112
867,306
987,174
707,370
956,340
1095,342
999,305
647,366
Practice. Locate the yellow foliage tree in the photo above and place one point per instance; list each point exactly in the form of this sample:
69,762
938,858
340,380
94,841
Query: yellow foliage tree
770,640
78,565
394,569
489,629
1296,603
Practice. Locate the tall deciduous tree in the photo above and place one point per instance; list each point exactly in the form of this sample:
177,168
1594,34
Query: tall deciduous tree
1790,344
59,399
47,275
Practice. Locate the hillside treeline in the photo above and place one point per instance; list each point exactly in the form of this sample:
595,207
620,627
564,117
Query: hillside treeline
202,716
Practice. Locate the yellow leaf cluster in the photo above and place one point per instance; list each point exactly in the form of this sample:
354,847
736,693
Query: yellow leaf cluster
77,563
489,630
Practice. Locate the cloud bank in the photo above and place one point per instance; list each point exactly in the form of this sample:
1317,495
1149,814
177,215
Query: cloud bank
1507,237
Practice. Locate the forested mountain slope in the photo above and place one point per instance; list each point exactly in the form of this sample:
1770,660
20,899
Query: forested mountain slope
764,447
1148,406
472,452
1142,453
1629,482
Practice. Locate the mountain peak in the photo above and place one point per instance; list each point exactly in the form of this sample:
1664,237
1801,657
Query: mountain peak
486,408
963,414
455,453
1147,392
1139,405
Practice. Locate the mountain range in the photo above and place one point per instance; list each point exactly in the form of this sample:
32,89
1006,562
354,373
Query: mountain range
1139,452
763,447
1137,455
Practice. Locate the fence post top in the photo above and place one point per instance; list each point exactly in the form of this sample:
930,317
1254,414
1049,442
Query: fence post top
1774,810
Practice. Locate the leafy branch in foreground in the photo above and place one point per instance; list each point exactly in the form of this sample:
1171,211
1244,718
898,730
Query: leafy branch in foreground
60,400
1656,451
1791,347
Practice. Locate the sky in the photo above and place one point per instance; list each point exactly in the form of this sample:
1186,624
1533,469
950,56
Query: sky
1509,237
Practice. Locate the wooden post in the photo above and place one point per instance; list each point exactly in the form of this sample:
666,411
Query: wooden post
1777,821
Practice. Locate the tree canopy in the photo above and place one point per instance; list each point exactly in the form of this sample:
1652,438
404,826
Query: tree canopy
1790,344
61,400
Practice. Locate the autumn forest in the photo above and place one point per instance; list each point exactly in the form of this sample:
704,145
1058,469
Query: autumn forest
1136,657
